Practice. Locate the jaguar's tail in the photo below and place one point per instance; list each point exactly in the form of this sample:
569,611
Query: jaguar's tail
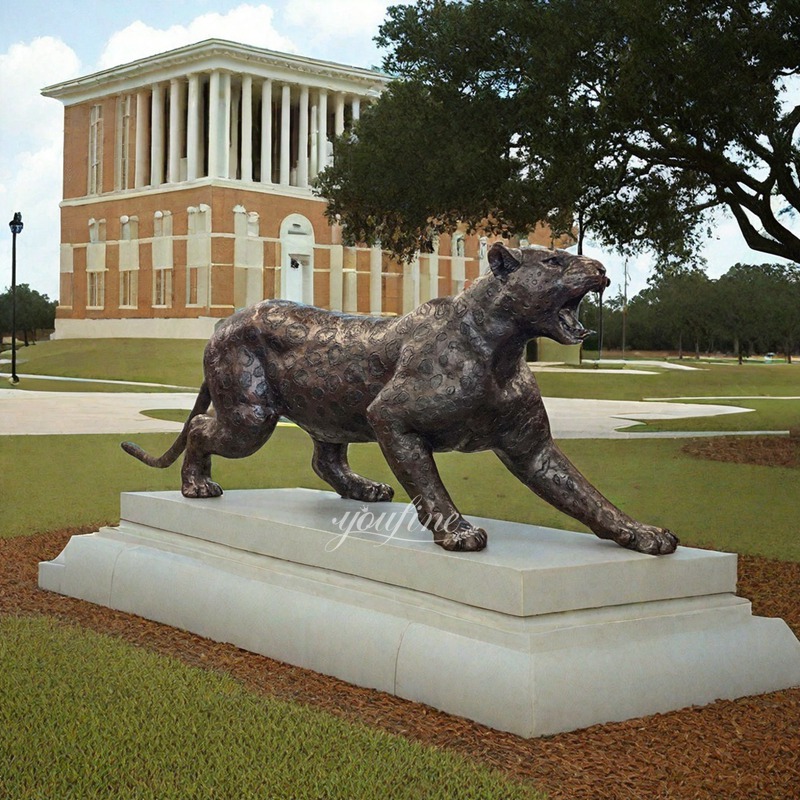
179,445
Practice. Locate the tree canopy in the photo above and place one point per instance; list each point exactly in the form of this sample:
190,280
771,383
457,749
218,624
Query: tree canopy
752,308
35,311
634,120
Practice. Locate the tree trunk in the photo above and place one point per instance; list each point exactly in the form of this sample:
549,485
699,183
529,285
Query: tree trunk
680,345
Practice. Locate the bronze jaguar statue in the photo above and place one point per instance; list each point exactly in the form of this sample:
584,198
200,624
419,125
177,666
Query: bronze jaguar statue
450,375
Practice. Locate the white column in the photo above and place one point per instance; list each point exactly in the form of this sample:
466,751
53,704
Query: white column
225,150
213,125
174,157
322,131
193,128
375,279
313,163
233,162
157,135
286,99
338,120
302,139
356,107
142,171
247,128
266,132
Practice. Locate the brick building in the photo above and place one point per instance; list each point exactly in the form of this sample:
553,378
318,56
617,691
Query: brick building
187,195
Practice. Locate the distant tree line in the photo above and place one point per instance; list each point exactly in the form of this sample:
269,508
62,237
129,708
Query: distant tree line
35,312
751,309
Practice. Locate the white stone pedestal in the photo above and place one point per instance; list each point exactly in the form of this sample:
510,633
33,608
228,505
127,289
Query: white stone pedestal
544,631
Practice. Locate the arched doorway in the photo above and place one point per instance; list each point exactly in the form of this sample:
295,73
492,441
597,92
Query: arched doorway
297,259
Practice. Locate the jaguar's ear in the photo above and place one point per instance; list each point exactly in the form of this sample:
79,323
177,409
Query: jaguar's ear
504,260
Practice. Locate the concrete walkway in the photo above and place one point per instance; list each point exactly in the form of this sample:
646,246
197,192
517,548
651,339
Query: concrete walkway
42,413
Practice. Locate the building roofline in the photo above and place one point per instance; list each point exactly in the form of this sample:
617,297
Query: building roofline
207,51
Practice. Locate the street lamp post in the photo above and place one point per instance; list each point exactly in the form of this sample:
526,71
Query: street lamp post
16,227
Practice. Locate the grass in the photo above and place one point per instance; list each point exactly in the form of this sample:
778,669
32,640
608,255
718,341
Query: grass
767,415
86,716
54,482
779,380
83,715
171,361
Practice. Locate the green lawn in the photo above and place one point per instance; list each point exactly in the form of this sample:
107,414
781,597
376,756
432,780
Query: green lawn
779,380
767,415
85,716
173,361
53,482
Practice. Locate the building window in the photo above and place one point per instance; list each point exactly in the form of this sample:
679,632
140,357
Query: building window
95,289
191,286
96,150
122,177
96,264
128,288
128,262
162,258
162,287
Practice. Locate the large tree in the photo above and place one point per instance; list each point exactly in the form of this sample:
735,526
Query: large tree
631,119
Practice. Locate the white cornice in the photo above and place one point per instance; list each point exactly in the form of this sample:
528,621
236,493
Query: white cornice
186,186
223,55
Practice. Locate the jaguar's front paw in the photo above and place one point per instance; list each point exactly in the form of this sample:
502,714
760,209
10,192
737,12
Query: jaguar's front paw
463,537
647,539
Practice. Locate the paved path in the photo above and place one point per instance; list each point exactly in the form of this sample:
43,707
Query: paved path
40,413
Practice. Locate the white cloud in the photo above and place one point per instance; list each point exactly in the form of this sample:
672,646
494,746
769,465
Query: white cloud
248,24
338,30
30,158
24,69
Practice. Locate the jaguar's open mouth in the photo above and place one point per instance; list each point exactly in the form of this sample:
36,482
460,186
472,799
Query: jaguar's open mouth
568,320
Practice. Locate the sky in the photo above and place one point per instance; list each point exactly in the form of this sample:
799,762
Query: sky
42,43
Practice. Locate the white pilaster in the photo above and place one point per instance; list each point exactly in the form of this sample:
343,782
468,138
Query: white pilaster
302,139
247,128
322,131
433,271
375,280
338,120
157,135
266,132
286,99
356,107
142,170
174,157
411,285
193,128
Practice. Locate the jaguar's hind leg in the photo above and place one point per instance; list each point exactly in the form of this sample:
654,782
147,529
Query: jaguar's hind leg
330,463
245,418
236,434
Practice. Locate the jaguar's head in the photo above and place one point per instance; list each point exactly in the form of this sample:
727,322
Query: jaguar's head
542,289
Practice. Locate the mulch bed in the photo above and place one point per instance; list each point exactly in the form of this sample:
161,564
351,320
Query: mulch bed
766,451
748,748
